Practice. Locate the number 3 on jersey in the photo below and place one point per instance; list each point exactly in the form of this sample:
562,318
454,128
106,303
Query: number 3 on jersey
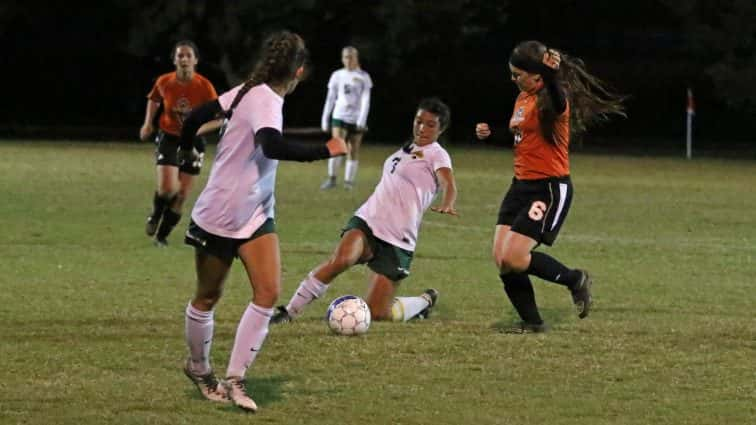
537,210
395,160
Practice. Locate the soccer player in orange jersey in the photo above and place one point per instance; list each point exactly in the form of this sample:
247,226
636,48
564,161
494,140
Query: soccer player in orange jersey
178,92
558,97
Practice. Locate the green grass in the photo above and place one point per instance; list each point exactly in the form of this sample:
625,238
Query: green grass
91,314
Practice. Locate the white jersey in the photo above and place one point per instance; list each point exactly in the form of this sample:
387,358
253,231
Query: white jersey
348,97
238,197
408,185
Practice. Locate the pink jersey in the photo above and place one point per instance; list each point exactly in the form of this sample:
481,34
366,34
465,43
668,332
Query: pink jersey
239,197
407,188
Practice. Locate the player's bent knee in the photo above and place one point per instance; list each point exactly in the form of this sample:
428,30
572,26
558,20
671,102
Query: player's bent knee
511,263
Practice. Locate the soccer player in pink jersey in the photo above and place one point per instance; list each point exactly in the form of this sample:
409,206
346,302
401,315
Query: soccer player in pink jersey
383,232
234,214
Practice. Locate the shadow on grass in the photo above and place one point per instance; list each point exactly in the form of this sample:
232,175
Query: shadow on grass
552,317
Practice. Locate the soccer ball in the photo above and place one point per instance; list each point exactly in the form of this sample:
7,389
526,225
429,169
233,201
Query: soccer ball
348,315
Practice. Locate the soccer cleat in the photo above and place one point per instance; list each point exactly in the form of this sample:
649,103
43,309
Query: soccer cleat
237,393
152,225
431,295
280,316
329,183
160,243
348,185
207,385
581,295
526,328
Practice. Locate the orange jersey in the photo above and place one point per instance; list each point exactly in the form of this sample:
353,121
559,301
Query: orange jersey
534,156
178,98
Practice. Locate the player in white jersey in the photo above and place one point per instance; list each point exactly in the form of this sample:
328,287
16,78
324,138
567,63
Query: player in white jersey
234,214
345,112
383,231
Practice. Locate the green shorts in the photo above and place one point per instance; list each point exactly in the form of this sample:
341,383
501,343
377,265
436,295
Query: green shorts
349,127
388,260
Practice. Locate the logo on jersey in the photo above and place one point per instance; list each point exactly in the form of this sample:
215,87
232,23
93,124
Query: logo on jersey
519,114
417,154
182,109
517,135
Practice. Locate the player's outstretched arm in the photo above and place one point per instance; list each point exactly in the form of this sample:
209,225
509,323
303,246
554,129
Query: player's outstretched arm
274,146
449,186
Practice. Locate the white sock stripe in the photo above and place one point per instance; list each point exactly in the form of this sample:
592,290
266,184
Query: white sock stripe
268,312
199,315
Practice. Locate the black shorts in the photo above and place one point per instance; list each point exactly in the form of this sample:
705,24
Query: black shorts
224,248
537,208
166,153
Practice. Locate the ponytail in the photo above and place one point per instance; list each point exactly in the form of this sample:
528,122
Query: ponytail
280,55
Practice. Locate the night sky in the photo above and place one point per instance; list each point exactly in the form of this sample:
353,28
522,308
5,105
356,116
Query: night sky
76,73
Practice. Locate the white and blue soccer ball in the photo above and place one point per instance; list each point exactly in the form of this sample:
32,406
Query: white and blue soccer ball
348,315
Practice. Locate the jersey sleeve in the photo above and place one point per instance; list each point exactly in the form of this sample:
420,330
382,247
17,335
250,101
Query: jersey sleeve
227,98
441,159
267,112
330,101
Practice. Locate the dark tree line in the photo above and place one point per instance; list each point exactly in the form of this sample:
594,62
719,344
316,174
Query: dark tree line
91,66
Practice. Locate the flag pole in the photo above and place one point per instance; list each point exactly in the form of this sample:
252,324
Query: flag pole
690,111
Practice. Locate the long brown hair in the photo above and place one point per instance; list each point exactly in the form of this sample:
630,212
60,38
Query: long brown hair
280,55
591,101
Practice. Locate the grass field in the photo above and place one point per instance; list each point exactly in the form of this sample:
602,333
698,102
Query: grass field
92,314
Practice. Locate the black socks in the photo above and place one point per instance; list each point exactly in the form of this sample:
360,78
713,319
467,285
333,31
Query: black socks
548,268
170,219
519,289
159,204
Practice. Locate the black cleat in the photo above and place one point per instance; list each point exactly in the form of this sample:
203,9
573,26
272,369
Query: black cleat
280,316
581,295
432,296
527,328
152,225
160,243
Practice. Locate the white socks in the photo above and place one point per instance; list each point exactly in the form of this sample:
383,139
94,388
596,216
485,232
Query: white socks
350,173
405,308
334,164
199,337
310,289
250,334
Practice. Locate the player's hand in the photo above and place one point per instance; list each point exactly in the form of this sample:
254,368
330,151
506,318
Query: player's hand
482,130
337,146
145,132
325,129
552,59
444,209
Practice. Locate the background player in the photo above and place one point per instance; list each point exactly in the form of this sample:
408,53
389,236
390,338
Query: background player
346,112
178,92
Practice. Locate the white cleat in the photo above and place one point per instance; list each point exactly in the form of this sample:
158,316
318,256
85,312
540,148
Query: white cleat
237,392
